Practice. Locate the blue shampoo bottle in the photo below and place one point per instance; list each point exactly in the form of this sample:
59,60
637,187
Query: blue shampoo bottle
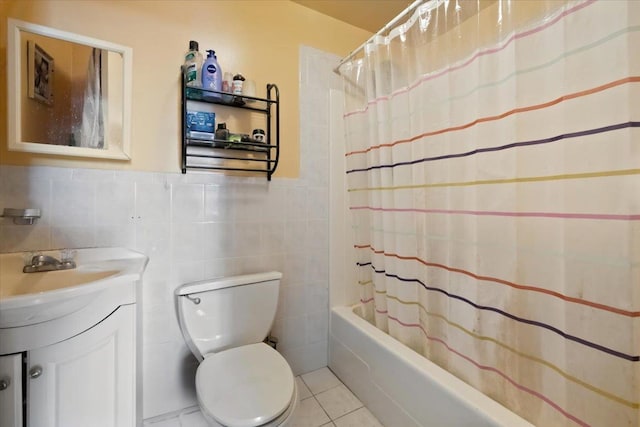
211,75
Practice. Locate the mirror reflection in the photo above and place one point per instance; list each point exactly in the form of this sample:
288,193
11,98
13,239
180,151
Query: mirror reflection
72,95
69,93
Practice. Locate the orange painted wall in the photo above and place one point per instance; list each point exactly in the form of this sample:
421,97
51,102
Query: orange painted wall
259,38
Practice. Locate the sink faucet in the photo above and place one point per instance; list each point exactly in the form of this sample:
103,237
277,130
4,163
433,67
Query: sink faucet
40,263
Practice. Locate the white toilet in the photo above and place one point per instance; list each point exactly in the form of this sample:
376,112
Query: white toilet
241,381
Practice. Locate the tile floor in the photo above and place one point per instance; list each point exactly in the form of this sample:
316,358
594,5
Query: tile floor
324,402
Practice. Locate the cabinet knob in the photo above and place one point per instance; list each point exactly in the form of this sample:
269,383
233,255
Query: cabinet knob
35,372
5,382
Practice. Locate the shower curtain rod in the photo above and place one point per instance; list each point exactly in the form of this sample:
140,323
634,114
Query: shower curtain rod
390,24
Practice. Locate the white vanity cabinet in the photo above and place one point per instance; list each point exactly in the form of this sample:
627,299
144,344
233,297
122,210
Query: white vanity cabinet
87,380
69,353
11,390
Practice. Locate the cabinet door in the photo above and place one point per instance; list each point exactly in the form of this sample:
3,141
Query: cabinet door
11,390
87,380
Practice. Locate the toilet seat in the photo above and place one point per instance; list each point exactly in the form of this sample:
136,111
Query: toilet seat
245,386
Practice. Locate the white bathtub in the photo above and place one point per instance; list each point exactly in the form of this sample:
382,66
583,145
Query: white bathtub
402,388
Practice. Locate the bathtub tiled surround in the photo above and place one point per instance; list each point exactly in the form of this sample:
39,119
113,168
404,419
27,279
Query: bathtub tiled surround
197,226
324,401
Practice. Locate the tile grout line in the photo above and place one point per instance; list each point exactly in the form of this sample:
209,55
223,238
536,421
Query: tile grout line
362,405
317,401
336,386
351,412
323,410
323,391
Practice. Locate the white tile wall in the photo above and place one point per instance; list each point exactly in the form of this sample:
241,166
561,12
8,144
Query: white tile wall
197,226
239,230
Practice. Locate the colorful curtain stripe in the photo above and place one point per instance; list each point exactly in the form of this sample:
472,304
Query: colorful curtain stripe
543,105
479,54
593,345
503,147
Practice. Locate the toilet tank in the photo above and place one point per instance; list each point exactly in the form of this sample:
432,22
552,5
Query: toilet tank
228,312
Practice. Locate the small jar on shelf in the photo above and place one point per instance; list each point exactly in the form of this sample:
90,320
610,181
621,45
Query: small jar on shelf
238,82
258,135
222,133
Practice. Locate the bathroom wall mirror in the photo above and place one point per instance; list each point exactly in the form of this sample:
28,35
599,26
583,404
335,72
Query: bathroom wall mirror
67,94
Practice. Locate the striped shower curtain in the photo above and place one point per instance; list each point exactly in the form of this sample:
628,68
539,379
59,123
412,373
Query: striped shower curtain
493,161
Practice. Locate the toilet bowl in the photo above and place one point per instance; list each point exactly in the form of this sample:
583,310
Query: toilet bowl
241,381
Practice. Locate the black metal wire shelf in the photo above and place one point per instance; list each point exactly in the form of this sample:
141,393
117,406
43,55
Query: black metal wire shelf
254,147
264,155
228,100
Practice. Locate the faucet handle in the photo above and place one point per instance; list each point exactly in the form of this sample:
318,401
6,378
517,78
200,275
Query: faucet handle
28,257
67,255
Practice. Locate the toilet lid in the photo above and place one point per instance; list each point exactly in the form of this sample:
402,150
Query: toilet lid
244,386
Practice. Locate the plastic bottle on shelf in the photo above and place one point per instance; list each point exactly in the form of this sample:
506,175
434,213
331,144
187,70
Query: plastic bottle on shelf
193,65
227,86
238,81
212,75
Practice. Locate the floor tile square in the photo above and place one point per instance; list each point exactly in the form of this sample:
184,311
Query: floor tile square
303,390
360,418
320,380
338,401
309,414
